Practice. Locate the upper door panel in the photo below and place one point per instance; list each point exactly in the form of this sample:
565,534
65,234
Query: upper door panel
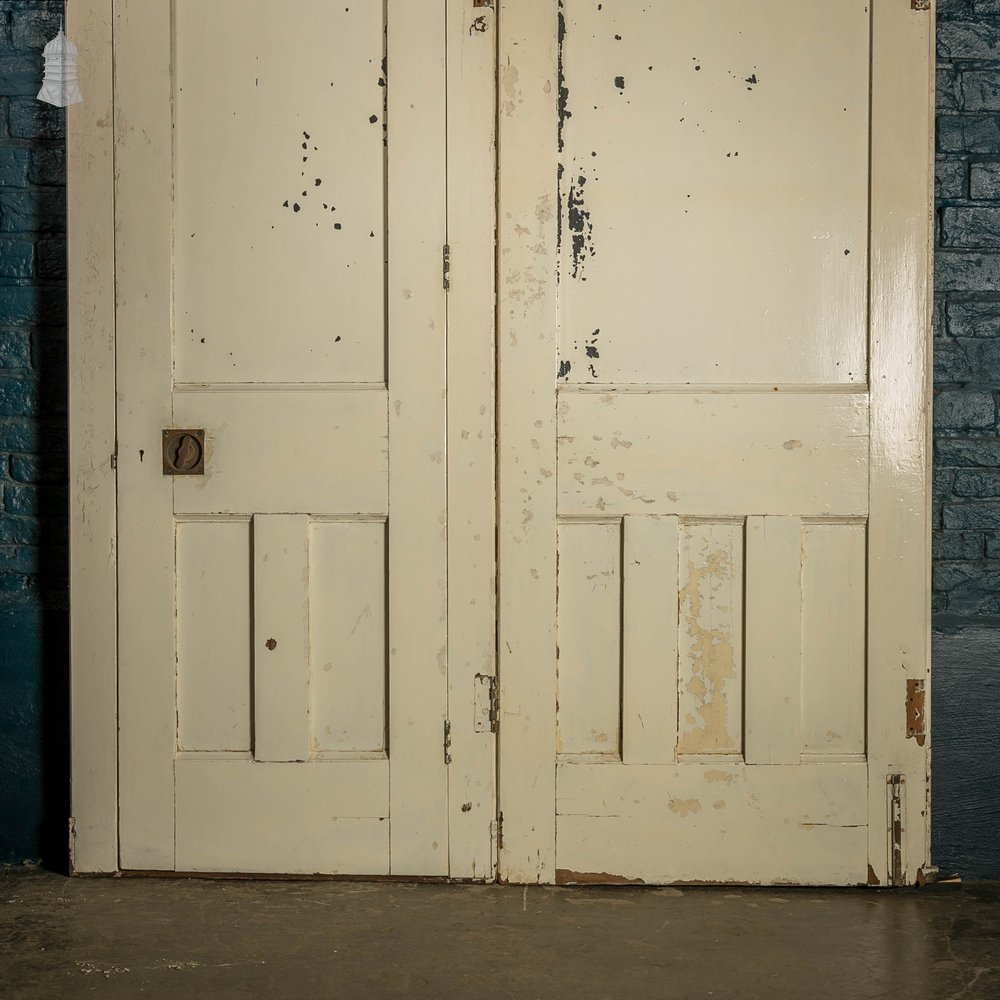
721,132
280,204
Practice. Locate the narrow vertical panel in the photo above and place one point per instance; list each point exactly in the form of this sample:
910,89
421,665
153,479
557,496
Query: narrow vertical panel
281,637
773,654
589,657
471,435
418,488
833,638
649,642
213,635
142,270
526,339
90,196
347,626
710,647
898,540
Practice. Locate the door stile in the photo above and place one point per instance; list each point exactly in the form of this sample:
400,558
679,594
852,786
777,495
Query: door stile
899,540
418,447
93,598
143,216
471,167
527,350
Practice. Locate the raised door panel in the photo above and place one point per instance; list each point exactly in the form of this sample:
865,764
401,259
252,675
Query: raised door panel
716,132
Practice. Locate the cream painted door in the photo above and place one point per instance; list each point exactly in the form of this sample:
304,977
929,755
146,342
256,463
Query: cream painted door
289,697
713,472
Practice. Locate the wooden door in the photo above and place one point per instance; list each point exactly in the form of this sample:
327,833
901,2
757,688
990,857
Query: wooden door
713,426
291,698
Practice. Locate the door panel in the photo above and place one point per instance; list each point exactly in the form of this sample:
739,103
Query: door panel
688,686
291,201
284,645
683,133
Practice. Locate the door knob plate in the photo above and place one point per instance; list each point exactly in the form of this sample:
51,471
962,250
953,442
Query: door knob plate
183,452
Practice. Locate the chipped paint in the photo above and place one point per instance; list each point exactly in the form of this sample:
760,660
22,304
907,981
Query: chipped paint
563,106
704,604
580,227
565,876
685,807
726,776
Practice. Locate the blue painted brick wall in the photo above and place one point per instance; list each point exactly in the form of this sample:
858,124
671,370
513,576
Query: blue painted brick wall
33,505
967,312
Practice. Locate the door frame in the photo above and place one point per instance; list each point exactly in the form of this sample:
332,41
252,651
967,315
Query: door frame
901,228
93,826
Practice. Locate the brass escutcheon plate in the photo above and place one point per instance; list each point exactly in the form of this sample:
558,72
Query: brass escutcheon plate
183,451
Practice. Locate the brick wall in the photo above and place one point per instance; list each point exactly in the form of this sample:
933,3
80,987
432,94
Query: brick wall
33,506
967,312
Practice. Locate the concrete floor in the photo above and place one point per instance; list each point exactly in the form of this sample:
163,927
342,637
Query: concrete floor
172,938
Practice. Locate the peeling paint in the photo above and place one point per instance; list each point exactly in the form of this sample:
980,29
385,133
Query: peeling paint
565,876
712,657
580,226
563,106
684,807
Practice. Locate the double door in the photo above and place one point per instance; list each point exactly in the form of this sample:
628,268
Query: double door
521,439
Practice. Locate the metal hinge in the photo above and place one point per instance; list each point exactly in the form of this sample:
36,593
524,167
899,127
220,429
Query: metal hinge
916,710
895,788
447,741
487,704
500,831
920,4
446,266
114,460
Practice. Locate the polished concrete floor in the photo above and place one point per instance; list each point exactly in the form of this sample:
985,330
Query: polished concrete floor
201,939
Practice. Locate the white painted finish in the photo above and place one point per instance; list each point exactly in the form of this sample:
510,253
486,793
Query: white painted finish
143,267
773,726
281,637
898,536
833,638
93,550
240,816
773,453
781,452
526,456
278,350
300,229
715,823
347,628
743,413
471,72
278,435
589,651
726,132
213,635
649,640
418,486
